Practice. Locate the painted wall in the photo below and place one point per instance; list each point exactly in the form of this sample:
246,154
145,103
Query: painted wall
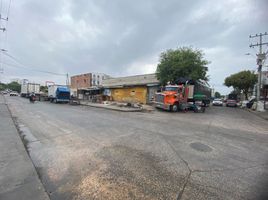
130,95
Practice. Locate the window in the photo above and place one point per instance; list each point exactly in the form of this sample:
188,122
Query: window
171,88
85,80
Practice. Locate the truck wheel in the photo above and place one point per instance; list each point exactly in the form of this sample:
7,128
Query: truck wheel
174,108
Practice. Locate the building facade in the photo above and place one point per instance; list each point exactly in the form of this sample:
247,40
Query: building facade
84,86
81,81
97,78
132,89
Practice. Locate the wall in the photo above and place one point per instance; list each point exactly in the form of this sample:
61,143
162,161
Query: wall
97,78
151,90
130,94
81,81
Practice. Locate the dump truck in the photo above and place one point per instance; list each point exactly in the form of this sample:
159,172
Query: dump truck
28,88
198,91
58,93
182,96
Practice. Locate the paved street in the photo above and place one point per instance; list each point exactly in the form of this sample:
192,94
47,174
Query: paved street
89,153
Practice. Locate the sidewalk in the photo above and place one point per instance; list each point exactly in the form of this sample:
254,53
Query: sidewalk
111,107
18,178
263,115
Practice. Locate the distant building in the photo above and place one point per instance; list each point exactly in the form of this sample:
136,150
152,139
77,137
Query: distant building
97,78
132,89
82,83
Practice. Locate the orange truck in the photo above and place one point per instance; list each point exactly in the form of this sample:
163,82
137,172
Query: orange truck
172,98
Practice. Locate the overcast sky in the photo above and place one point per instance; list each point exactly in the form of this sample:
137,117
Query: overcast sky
123,37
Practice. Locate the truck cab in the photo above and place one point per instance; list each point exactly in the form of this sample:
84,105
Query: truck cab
58,93
172,97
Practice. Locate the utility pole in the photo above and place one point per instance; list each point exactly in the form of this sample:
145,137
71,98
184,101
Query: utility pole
67,79
260,60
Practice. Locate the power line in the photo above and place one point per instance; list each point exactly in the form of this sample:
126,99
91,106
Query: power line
261,57
22,66
31,69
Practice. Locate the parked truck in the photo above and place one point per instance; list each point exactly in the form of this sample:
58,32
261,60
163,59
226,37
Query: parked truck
28,88
182,96
59,93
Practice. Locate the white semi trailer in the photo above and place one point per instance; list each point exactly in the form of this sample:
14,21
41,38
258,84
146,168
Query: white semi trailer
28,88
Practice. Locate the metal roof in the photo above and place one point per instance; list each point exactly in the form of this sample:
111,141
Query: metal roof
144,79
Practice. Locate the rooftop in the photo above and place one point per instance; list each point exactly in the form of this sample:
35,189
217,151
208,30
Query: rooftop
144,79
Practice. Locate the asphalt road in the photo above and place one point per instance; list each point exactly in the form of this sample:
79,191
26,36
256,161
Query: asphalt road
89,153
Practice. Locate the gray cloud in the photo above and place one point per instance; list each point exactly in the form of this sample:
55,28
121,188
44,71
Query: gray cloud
126,37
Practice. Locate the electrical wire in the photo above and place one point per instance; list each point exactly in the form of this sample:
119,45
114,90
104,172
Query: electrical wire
22,66
31,69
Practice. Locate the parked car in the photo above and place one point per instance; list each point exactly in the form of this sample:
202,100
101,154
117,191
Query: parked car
217,102
13,94
231,103
3,92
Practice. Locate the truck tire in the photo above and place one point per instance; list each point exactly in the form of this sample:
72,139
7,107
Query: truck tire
174,108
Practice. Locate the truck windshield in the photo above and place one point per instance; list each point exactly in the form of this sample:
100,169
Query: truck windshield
171,88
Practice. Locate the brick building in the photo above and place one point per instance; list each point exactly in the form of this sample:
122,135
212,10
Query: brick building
81,81
82,84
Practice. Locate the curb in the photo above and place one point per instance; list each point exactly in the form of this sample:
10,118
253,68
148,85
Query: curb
25,147
256,114
114,109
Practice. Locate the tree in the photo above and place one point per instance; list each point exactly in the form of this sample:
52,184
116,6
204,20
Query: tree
14,86
242,81
182,62
44,89
2,86
217,95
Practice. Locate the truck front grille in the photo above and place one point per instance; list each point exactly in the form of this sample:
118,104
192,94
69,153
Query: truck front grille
159,98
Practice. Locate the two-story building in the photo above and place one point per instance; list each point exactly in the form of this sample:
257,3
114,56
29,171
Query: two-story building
82,85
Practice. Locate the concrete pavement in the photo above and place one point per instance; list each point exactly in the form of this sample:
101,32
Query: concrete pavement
110,107
83,152
263,115
18,178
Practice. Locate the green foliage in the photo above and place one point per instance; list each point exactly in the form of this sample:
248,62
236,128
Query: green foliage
2,86
14,86
217,95
44,88
242,81
182,62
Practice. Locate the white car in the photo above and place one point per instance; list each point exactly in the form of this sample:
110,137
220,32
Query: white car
13,94
217,102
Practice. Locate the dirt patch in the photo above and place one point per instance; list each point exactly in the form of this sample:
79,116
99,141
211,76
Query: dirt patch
125,173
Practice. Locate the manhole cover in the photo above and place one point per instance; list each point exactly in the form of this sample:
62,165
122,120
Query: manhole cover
200,147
